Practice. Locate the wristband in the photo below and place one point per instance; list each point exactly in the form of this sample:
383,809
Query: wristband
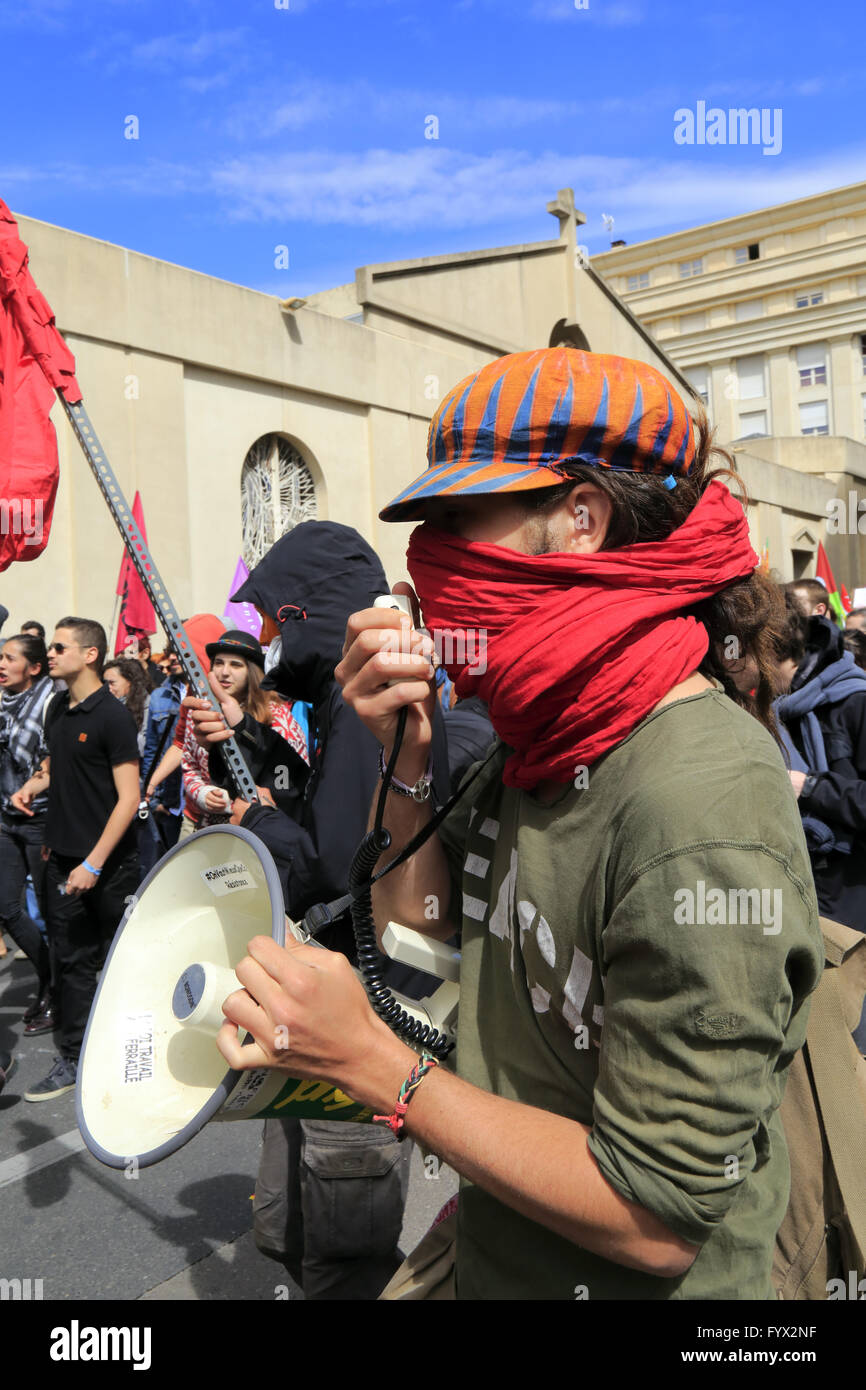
90,869
421,789
426,1062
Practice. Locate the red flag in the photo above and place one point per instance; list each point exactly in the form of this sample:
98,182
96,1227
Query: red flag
34,362
136,609
838,606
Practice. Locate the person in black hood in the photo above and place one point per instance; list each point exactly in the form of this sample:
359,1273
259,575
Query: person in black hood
337,1235
305,588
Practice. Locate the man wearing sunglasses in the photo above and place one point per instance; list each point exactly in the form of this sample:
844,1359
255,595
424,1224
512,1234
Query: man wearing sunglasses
91,773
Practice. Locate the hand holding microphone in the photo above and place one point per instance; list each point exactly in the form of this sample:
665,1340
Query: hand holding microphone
388,665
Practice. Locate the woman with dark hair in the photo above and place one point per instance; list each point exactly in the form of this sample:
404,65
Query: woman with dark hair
127,682
238,666
26,689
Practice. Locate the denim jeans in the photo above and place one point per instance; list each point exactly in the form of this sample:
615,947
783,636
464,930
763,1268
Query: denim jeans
20,854
81,928
329,1205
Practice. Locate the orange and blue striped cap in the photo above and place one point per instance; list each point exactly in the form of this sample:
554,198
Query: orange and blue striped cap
513,424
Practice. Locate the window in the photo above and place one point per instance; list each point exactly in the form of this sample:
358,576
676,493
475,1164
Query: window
689,268
813,418
863,403
639,281
753,423
277,492
750,378
693,323
699,378
743,254
863,351
812,365
748,309
805,299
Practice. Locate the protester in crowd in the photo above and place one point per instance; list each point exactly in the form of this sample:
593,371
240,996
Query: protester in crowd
237,669
34,629
856,620
337,1236
822,718
854,641
200,629
810,596
612,1141
91,777
165,799
127,683
138,649
26,689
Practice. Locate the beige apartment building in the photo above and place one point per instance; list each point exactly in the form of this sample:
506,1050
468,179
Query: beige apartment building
765,313
236,415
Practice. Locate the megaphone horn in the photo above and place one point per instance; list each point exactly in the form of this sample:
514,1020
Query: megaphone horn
150,1075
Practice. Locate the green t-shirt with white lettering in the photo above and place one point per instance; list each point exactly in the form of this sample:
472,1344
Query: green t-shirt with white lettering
638,957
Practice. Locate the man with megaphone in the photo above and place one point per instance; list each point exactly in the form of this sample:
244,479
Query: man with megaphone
620,1060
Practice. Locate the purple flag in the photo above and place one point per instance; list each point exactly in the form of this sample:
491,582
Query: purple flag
242,617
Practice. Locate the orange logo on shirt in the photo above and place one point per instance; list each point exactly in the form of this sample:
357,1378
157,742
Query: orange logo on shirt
82,738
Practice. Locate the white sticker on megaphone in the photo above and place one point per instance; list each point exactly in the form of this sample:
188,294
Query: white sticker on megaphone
136,1032
227,878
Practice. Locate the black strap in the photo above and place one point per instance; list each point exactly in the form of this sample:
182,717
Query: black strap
322,914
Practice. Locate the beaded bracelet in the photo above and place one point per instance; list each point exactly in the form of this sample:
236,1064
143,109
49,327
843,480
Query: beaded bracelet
426,1062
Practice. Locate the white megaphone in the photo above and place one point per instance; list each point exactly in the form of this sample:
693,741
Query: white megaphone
150,1075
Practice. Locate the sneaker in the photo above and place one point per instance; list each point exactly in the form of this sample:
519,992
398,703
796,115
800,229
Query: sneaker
7,1064
59,1080
20,955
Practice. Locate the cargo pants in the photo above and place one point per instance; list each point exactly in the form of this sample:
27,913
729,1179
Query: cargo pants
329,1204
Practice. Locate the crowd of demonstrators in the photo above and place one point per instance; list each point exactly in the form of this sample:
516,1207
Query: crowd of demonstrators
138,649
90,776
26,689
161,829
569,513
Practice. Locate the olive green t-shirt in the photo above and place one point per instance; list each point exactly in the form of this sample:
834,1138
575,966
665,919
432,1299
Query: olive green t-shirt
637,957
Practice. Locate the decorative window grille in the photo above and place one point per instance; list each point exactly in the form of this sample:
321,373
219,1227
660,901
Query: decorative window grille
277,493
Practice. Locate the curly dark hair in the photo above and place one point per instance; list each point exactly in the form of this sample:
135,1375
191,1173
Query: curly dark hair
131,671
746,615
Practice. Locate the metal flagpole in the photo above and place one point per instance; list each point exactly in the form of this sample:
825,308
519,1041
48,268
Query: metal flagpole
150,577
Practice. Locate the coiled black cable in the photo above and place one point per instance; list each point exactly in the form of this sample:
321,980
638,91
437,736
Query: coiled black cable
373,845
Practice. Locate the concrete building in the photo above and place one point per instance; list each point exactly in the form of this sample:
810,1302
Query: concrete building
236,416
765,313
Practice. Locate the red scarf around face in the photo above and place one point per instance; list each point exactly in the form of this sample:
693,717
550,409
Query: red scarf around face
578,648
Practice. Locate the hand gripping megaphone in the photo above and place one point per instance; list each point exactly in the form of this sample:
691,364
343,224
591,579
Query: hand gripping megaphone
150,1075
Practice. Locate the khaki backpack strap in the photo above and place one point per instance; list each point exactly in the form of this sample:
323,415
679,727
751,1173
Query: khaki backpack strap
834,1061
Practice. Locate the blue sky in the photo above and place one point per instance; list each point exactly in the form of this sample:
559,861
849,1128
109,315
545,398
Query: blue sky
304,126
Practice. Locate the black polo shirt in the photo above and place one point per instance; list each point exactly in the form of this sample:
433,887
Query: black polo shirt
85,743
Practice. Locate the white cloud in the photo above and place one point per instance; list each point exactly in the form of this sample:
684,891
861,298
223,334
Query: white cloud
315,103
433,190
612,14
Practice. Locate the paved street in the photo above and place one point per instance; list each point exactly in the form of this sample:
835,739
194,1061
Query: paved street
180,1230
